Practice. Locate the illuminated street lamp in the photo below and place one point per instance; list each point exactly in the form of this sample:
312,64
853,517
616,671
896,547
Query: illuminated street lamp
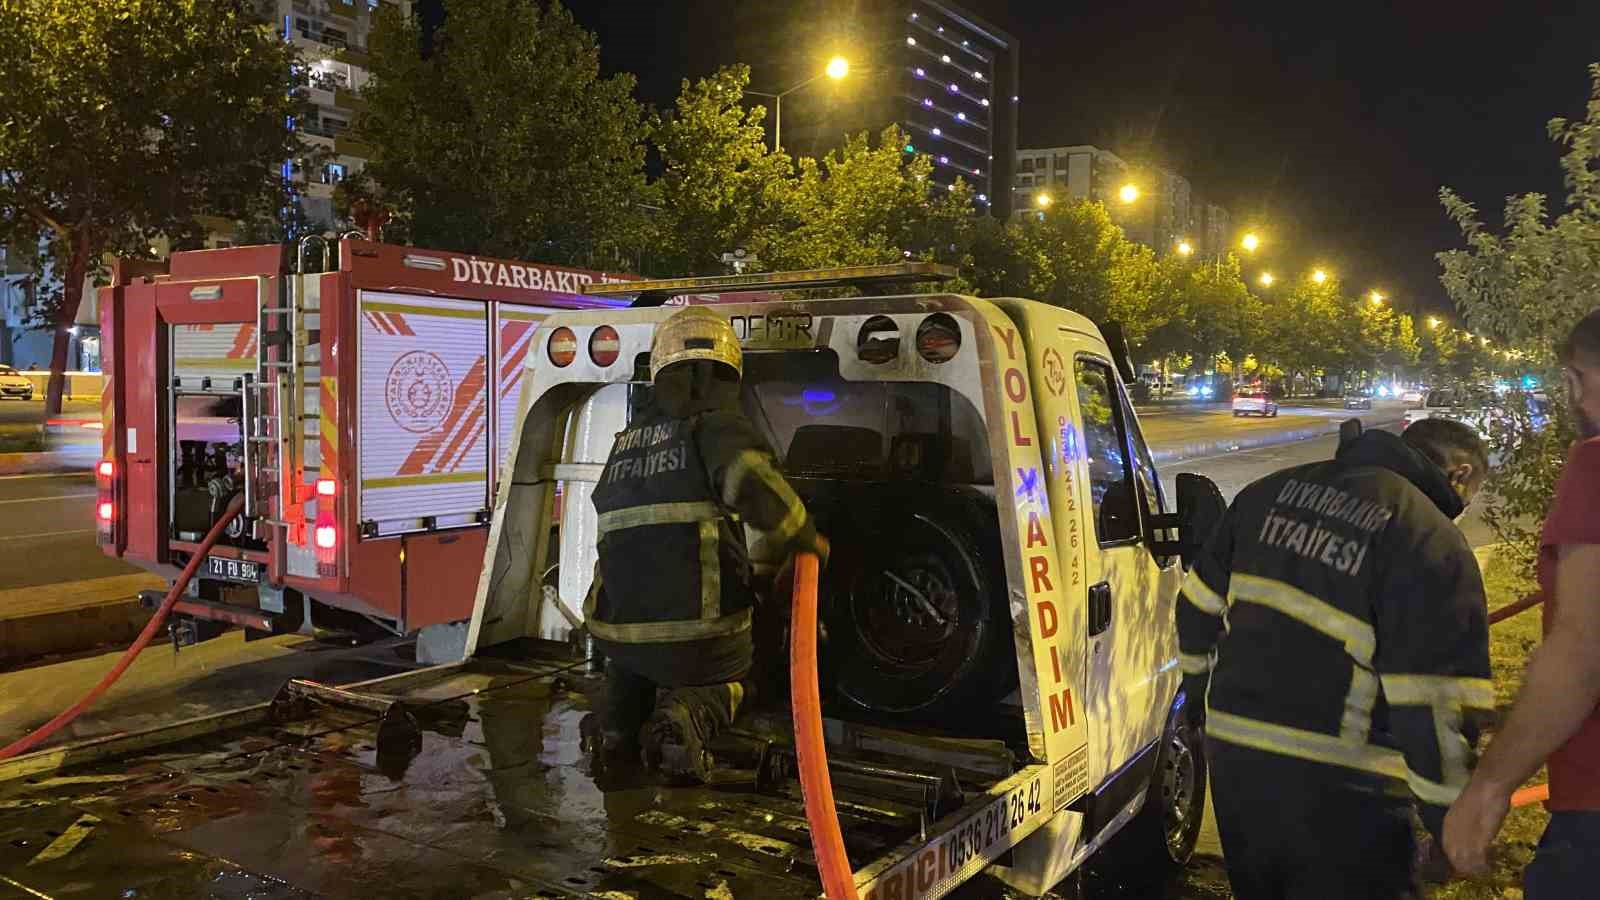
1375,298
1319,276
1266,279
836,69
1042,200
1185,248
1434,322
1129,193
1250,242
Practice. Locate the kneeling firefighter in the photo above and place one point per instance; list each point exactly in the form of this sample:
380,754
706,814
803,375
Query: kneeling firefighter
673,598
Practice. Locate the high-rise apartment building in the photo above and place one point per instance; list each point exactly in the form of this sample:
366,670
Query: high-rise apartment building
1216,230
1080,172
941,73
1161,212
332,37
957,96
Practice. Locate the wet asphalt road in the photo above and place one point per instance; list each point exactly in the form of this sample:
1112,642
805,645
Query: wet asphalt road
47,531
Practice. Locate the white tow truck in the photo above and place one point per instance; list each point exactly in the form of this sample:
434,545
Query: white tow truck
999,676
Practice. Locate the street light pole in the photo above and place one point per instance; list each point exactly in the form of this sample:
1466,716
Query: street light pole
837,68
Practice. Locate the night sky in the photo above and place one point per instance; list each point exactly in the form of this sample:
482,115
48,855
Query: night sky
1330,127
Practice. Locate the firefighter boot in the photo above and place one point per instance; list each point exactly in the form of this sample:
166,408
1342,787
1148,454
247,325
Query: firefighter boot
612,734
675,737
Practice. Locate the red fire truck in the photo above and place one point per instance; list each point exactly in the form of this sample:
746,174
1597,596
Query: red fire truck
360,395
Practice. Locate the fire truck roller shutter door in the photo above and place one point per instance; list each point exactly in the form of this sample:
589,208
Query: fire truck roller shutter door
423,411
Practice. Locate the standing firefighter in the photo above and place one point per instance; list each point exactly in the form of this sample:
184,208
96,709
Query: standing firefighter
1339,616
672,600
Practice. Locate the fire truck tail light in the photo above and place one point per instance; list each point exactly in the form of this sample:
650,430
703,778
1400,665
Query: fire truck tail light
327,537
604,346
938,338
104,510
563,347
327,487
106,468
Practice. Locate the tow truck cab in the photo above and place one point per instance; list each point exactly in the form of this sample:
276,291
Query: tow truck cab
1006,558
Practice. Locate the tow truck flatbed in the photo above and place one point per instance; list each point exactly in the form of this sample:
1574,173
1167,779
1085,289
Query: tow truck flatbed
499,800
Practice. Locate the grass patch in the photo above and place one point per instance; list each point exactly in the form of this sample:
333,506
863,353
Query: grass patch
21,438
1510,644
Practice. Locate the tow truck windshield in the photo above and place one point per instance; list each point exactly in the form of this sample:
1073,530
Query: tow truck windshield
823,426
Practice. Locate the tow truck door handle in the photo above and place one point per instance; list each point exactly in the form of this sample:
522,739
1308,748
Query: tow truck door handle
1099,607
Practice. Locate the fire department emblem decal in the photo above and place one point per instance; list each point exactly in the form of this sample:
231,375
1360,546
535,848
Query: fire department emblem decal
418,391
1055,372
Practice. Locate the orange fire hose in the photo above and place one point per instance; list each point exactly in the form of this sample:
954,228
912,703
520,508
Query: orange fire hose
44,731
1511,609
805,698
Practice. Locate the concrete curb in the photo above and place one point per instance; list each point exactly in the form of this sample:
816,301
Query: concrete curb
44,462
72,616
1188,452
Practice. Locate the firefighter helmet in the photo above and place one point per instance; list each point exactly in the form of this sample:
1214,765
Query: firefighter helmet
695,333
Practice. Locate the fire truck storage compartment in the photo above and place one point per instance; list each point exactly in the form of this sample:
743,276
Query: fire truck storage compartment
208,463
422,413
209,365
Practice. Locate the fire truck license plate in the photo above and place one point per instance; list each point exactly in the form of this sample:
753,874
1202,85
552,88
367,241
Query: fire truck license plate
242,570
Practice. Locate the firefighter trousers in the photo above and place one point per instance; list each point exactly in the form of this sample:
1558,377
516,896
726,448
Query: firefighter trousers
631,698
1298,830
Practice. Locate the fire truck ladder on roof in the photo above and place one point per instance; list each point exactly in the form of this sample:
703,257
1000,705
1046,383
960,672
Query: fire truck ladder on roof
867,279
273,423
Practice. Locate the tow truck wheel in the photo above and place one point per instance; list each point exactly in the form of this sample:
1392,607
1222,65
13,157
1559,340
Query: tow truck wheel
1163,834
919,619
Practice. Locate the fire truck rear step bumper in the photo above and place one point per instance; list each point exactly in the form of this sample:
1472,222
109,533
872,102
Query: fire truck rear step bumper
221,612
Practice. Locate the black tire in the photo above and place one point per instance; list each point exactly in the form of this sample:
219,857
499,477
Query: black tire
917,615
1162,835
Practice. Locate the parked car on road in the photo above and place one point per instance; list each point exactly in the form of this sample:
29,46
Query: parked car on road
1255,401
1358,399
1413,396
14,385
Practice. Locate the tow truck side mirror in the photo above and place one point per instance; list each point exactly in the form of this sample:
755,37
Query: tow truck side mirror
1200,511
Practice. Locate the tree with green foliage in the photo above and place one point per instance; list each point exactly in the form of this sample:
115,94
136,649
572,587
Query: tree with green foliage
1404,348
1001,262
1523,288
1208,312
862,204
125,120
1080,260
1307,328
502,137
719,182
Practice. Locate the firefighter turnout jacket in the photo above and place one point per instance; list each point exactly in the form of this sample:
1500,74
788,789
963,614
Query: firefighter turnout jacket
672,597
1340,617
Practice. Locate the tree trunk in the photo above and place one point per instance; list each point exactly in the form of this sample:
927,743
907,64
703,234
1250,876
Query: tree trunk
71,297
